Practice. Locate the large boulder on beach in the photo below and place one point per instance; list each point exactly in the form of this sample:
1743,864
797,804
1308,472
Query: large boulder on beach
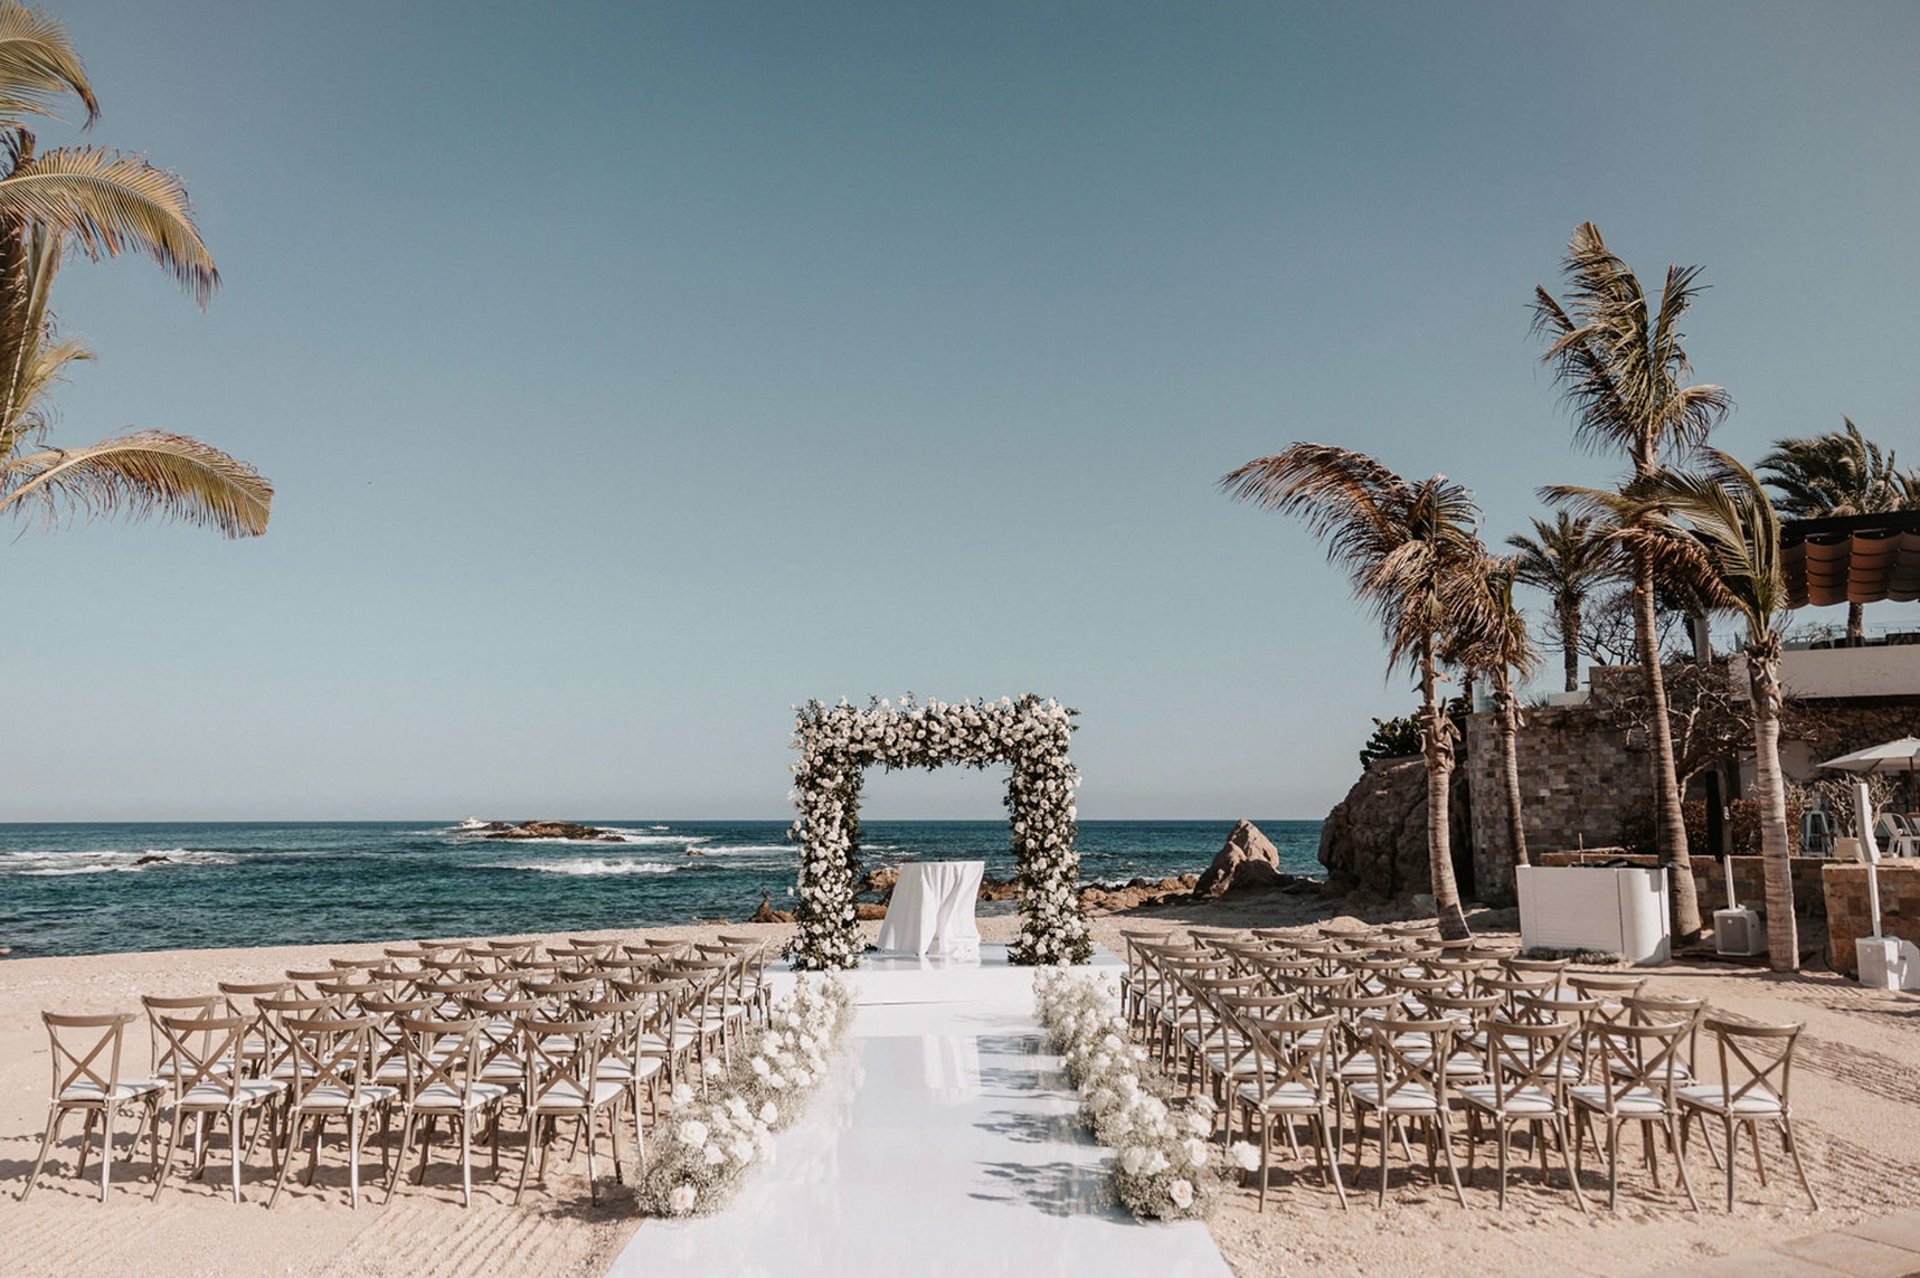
1246,860
1374,842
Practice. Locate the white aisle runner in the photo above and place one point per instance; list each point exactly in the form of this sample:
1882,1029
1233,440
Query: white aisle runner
945,1144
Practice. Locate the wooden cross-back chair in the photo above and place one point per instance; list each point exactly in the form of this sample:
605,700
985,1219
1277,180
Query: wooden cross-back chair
562,1061
1637,1073
211,1086
1409,1086
1289,1079
330,1069
1525,1083
1756,1085
84,1082
442,1080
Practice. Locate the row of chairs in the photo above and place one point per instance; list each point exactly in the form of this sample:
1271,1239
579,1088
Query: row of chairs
426,1034
1422,1036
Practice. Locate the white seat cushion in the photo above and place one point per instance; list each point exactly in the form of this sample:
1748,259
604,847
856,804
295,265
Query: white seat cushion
1757,1102
126,1090
1288,1097
251,1092
623,1071
1637,1102
337,1098
569,1097
442,1097
1411,1098
1523,1100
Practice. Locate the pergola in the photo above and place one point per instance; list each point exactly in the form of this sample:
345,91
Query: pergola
1852,559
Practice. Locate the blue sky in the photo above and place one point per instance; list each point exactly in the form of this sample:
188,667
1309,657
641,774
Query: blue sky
628,373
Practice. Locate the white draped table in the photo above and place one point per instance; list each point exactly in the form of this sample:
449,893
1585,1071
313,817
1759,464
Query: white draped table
931,910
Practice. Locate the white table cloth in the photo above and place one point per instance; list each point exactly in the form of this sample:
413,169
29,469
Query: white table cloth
931,910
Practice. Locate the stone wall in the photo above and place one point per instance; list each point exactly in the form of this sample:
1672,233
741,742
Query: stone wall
1847,917
1581,783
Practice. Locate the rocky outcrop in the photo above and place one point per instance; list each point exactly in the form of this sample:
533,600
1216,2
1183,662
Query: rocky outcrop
1137,893
767,914
1374,842
1248,859
549,830
998,889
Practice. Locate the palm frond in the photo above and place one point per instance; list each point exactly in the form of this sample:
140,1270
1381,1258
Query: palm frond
106,203
1839,473
1620,366
147,473
1404,545
38,65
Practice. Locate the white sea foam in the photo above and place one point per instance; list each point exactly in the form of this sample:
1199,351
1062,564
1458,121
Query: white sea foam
728,848
109,861
588,867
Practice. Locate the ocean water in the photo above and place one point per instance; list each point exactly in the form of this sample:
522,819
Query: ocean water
89,889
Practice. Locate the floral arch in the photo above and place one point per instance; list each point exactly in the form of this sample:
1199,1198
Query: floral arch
838,743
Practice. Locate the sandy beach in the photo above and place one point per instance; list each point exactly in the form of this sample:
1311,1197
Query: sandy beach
1854,1094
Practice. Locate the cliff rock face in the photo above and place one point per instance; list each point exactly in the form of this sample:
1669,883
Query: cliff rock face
1375,840
1248,859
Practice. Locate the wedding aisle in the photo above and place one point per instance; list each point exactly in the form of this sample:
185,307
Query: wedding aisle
945,1143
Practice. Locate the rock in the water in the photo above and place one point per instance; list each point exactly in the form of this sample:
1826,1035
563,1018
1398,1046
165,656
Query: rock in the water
152,858
1137,893
550,830
767,914
864,910
1245,847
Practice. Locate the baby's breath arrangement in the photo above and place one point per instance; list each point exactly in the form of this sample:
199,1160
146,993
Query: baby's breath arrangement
1164,1165
704,1145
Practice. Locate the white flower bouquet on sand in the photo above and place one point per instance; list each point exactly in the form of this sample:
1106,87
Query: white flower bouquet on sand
1165,1167
709,1139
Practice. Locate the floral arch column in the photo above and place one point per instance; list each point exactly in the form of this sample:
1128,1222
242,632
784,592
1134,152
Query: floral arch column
838,743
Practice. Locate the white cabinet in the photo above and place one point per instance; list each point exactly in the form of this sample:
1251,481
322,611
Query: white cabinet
1578,907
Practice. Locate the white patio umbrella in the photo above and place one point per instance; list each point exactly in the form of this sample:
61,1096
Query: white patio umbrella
1892,756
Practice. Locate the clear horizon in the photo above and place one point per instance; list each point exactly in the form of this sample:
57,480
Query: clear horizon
627,375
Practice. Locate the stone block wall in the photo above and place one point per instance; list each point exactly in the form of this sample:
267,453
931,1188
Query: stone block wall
1579,782
1847,917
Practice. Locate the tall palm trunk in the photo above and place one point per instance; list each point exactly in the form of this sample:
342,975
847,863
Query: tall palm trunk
1570,642
1507,725
1856,624
1783,932
1436,744
1670,824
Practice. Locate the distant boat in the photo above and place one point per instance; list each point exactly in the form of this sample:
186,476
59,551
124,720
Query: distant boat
472,823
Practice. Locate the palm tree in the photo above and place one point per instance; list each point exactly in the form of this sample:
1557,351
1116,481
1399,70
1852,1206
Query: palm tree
1411,552
1567,559
1833,475
1622,365
1491,640
98,203
1718,531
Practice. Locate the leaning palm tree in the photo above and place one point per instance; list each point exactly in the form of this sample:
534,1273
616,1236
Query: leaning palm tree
1568,559
1830,476
1622,365
1411,551
97,203
1717,530
1491,640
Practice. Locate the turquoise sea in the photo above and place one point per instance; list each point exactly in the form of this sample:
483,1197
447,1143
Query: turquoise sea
87,889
